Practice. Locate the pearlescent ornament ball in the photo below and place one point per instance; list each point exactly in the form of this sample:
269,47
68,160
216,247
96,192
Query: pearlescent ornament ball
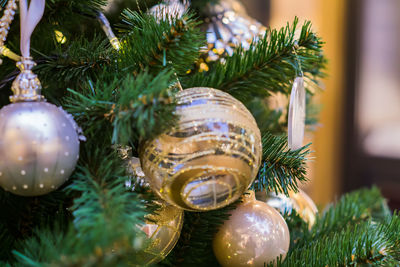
39,147
255,234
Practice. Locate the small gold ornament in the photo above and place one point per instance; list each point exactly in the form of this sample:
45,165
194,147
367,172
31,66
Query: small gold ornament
254,235
163,228
210,158
228,27
300,202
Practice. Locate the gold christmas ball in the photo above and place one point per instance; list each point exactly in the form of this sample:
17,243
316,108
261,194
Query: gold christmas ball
210,158
163,228
254,235
229,26
300,202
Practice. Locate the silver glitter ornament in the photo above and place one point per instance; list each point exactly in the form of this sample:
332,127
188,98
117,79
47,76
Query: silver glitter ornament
39,142
298,201
168,9
229,26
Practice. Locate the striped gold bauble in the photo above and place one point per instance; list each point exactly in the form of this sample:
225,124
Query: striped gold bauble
163,228
210,158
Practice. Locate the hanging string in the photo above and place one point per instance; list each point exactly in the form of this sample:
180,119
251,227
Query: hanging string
297,108
26,86
295,47
29,17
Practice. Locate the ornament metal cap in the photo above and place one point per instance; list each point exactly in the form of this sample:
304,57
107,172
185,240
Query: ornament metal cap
26,87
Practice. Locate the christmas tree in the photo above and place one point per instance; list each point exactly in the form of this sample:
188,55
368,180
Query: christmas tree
182,88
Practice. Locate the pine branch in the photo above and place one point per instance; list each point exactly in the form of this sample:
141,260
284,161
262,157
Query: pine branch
298,228
270,63
268,119
136,108
282,169
82,60
145,108
20,215
105,215
6,240
155,43
365,243
351,209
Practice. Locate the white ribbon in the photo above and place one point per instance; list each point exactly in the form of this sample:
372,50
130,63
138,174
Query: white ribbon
297,114
29,17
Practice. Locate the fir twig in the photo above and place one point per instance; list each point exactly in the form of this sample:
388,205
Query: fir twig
270,65
351,209
282,169
104,231
136,108
364,243
158,43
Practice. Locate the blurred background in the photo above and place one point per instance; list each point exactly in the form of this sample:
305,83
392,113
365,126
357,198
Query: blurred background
357,143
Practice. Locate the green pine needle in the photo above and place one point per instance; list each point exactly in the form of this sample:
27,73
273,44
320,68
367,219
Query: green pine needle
270,65
281,169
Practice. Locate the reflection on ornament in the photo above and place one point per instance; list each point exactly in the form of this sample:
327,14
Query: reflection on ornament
39,143
228,27
211,158
139,178
254,235
299,201
163,228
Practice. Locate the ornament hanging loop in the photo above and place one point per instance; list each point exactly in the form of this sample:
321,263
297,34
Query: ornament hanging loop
26,87
295,48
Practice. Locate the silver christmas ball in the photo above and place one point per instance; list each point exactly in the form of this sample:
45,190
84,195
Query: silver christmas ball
228,27
39,147
298,201
169,9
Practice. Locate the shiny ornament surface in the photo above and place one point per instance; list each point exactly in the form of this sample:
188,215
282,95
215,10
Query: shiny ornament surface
169,8
163,228
211,158
300,202
229,26
255,234
39,147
